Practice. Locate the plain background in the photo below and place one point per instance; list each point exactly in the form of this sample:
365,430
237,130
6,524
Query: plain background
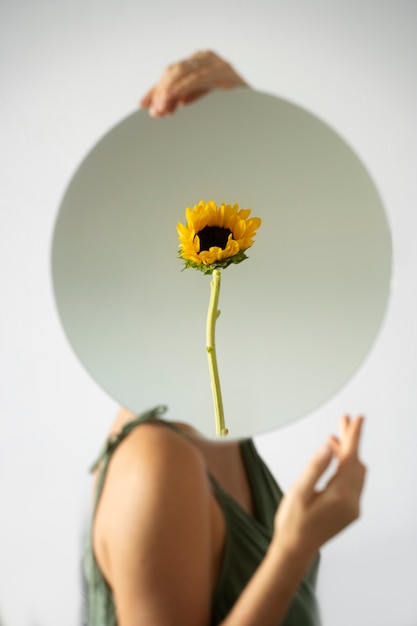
70,71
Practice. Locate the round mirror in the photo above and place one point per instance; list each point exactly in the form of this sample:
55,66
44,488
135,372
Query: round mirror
297,317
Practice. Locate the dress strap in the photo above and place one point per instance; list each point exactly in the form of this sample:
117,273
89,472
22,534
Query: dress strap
113,441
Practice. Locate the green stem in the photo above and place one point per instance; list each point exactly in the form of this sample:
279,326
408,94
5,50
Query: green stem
213,314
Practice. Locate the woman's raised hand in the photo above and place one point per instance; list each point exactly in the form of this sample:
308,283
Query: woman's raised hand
308,517
188,80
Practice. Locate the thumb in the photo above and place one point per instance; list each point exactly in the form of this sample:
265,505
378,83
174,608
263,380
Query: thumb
315,468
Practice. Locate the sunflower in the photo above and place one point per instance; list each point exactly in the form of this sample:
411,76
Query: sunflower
214,237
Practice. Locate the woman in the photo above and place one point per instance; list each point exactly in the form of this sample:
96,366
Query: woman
192,532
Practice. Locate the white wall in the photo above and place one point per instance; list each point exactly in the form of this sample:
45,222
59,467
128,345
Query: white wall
69,71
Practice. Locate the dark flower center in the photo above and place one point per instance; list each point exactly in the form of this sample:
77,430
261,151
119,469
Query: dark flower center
212,236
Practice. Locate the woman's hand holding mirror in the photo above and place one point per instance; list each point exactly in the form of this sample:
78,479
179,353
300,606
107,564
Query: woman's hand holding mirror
188,80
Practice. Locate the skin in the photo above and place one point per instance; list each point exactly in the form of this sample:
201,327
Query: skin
159,532
188,80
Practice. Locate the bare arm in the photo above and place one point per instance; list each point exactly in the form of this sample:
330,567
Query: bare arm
152,531
156,527
305,520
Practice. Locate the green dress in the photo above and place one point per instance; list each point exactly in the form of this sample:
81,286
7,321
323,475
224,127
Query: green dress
247,540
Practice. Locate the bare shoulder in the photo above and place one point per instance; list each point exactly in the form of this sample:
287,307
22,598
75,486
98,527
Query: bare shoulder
153,447
153,529
153,466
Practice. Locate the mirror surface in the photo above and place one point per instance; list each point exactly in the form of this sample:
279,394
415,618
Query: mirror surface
297,318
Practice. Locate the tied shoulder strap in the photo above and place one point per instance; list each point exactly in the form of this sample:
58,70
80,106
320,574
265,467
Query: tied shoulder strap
113,441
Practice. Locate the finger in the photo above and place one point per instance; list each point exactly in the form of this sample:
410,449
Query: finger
157,99
335,444
314,470
182,92
354,435
175,84
177,72
146,101
344,423
162,103
344,430
192,97
191,82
